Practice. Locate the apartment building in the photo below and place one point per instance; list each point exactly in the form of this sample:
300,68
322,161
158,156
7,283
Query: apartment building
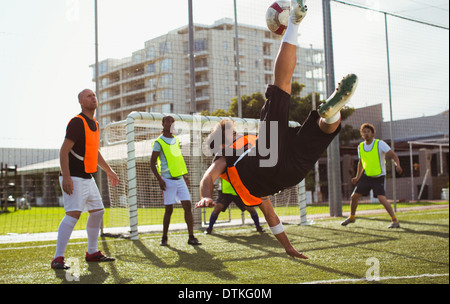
157,77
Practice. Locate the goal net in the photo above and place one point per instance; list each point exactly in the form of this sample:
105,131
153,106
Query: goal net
136,205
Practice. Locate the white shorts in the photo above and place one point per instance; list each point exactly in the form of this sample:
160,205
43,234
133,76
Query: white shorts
85,195
176,191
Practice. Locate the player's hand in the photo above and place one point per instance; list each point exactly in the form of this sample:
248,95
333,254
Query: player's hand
113,178
162,184
355,180
295,254
186,180
67,185
205,202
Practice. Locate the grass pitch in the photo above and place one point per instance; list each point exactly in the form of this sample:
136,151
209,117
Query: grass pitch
416,253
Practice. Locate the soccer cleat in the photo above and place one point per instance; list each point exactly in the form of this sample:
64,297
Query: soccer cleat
193,241
394,225
164,241
340,97
348,221
98,257
298,11
260,229
58,263
208,231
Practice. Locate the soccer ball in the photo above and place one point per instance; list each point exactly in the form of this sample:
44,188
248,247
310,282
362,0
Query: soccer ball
277,16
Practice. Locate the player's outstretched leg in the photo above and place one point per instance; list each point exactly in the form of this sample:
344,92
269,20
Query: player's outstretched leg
287,55
340,97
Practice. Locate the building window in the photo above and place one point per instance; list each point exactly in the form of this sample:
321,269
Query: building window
166,65
151,52
164,47
166,79
167,108
151,68
137,58
167,94
200,45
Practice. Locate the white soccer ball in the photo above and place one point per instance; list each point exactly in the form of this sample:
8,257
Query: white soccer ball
277,16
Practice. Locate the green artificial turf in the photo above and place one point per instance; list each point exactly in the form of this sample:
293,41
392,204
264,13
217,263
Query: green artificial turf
415,253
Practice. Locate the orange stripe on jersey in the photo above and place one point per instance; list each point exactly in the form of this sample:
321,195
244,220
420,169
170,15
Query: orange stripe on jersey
91,147
241,190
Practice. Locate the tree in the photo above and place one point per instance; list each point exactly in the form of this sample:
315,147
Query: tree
251,105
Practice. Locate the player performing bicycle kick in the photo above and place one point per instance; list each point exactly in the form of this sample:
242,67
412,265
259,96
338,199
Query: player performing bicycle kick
255,175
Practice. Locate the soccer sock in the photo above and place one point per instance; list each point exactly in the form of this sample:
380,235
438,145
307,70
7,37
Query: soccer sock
212,220
333,119
93,229
394,219
64,232
352,217
291,34
255,218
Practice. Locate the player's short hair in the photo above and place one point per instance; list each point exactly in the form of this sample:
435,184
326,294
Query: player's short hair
217,136
167,117
368,126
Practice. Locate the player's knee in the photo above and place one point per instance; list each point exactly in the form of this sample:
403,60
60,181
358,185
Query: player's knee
355,197
74,214
169,210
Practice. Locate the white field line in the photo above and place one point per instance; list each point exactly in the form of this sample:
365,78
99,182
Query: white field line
435,275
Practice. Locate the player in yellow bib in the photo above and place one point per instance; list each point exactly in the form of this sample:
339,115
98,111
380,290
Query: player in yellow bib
371,173
168,165
226,196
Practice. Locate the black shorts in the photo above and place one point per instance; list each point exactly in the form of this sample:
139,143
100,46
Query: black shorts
366,183
297,149
225,199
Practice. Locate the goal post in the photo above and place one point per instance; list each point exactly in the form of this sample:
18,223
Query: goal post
137,201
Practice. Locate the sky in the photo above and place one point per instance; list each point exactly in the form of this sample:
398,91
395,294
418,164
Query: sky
47,46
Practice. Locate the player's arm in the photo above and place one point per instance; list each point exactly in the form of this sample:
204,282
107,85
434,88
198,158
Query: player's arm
207,182
359,172
153,159
113,178
277,229
67,183
391,154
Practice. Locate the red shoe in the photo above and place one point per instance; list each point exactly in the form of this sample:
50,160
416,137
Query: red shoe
58,263
98,257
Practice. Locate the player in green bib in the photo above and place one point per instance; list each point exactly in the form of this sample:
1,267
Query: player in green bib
168,166
226,196
371,173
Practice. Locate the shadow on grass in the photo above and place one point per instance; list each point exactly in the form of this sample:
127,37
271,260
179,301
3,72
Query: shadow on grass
198,261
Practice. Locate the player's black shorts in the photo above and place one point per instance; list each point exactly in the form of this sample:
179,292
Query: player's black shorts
226,199
297,149
366,183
